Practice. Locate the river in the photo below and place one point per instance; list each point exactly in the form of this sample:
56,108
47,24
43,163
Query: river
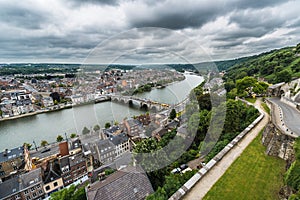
47,126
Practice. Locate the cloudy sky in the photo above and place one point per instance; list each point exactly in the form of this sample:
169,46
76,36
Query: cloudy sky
146,31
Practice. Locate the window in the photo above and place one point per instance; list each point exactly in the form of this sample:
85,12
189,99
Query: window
17,196
2,173
47,187
55,184
15,167
32,189
34,194
41,192
26,192
38,186
28,198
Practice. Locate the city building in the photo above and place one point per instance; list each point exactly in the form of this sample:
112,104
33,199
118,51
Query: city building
121,142
144,119
52,177
11,161
126,184
25,186
133,127
78,167
106,151
112,131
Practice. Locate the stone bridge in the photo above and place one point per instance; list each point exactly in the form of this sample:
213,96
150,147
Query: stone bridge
142,103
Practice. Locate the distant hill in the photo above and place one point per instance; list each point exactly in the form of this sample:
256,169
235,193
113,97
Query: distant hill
274,66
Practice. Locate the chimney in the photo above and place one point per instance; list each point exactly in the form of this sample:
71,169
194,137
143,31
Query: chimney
64,148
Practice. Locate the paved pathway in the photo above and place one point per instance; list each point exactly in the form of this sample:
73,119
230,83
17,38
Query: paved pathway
204,185
291,117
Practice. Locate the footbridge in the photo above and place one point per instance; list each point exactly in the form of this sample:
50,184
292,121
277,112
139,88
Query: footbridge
142,103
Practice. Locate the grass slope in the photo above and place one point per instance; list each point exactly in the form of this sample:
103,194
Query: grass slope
254,175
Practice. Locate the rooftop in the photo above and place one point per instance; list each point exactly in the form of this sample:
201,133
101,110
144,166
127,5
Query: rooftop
75,159
127,184
133,122
7,155
277,85
19,183
119,139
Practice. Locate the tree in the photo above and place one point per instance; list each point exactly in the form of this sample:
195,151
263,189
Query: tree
44,143
96,127
27,145
71,193
59,138
85,131
109,171
73,135
245,83
55,96
173,114
283,76
107,125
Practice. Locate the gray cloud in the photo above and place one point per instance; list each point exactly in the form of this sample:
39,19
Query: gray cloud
180,15
69,30
21,16
85,2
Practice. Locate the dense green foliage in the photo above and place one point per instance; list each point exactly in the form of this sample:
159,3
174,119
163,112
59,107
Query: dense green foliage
96,127
292,176
172,183
253,175
44,143
238,117
71,193
199,113
143,88
85,130
42,68
59,138
275,66
173,114
107,125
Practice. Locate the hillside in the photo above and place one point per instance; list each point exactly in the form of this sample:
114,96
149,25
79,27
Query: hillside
275,66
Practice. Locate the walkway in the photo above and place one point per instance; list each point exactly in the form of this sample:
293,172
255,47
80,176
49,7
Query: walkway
204,185
290,116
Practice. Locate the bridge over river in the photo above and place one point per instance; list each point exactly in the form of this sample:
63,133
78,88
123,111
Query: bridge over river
146,104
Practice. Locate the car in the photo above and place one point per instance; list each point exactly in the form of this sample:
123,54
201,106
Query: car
186,170
183,166
176,170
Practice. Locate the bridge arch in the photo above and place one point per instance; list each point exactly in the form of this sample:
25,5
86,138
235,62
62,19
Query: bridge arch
130,102
144,106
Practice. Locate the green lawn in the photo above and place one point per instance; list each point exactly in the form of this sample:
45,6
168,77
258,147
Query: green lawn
254,175
251,100
266,108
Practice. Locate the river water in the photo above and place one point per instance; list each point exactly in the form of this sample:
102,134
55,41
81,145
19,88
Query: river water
47,126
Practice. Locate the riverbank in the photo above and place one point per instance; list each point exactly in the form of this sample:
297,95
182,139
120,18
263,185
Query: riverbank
53,109
48,126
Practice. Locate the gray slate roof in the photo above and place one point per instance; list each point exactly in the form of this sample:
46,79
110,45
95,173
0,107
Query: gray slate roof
11,154
76,159
19,183
119,139
130,183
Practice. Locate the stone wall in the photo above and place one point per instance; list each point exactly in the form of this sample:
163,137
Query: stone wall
277,143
